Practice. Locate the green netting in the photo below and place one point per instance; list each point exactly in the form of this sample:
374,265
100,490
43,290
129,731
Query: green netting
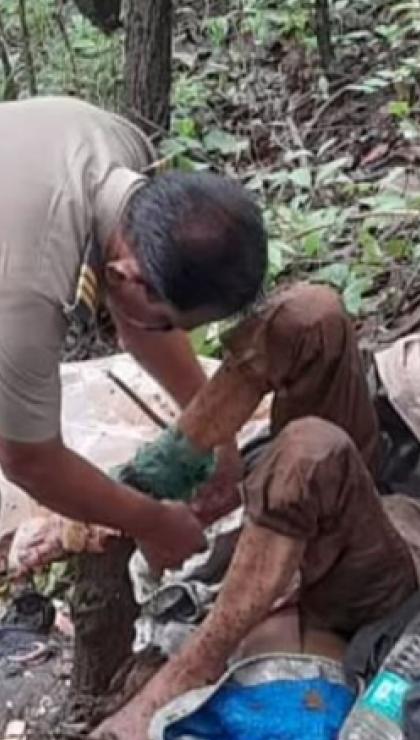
169,468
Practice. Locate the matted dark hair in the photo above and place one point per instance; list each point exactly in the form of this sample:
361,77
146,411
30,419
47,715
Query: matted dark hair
200,238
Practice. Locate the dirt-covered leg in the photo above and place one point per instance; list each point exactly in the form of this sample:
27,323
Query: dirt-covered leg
262,567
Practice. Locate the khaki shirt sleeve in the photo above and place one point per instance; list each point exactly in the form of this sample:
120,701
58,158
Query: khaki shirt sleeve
31,331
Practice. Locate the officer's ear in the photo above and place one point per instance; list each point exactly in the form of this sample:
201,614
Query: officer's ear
124,269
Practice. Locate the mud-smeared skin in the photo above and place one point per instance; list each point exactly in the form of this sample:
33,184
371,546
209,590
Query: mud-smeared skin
251,586
221,408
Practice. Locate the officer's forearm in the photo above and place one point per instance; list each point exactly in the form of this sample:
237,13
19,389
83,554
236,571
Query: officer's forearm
169,358
64,482
220,408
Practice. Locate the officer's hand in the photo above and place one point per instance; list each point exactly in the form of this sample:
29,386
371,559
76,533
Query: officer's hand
177,536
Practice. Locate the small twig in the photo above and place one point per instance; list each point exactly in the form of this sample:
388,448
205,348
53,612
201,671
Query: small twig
29,60
137,400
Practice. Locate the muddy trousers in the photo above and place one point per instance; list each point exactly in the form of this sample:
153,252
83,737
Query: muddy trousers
311,485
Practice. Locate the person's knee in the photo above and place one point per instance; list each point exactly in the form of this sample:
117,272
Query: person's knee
301,478
312,438
317,304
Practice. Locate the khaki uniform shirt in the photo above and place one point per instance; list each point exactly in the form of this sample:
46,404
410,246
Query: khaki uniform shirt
67,170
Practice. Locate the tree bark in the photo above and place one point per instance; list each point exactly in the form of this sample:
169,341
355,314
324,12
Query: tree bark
323,35
148,64
103,610
104,14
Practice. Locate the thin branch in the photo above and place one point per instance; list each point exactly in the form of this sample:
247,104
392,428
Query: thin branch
137,400
26,37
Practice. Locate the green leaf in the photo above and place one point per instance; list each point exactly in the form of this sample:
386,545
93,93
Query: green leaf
187,164
372,252
313,245
353,299
185,127
198,339
327,172
386,201
353,294
172,147
275,259
301,177
336,274
217,28
280,254
399,248
277,179
223,142
399,108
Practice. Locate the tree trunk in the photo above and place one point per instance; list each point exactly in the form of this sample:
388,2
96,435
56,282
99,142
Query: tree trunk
104,14
103,610
323,35
148,63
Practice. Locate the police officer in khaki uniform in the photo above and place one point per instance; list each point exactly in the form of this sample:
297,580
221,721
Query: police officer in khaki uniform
79,217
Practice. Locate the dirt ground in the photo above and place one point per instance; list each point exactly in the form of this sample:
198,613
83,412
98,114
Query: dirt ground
35,690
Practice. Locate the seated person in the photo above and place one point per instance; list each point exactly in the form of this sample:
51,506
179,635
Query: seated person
311,501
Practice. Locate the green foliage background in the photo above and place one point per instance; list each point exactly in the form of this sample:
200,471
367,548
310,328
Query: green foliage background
326,222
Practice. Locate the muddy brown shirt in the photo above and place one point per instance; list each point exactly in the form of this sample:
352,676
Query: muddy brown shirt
67,170
301,346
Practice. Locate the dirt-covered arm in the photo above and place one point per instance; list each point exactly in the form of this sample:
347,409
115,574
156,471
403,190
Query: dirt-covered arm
221,407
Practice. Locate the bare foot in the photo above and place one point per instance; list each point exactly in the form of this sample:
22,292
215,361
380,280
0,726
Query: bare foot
44,539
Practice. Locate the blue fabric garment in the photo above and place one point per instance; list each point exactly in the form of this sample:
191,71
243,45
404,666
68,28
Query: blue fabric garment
310,709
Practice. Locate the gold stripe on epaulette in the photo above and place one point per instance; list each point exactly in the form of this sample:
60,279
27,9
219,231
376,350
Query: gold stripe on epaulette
88,274
84,295
87,288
